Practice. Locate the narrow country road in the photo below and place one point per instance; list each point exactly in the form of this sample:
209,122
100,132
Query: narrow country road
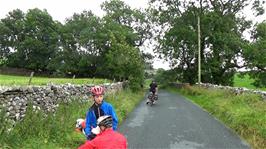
176,123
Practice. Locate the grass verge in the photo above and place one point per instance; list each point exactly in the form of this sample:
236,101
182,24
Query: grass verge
56,131
245,113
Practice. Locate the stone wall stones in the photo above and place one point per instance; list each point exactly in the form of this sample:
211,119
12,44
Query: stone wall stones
236,90
15,100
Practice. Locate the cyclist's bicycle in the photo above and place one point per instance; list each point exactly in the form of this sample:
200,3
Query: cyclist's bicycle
152,98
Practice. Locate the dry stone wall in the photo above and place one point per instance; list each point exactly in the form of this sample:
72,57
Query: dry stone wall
236,90
14,101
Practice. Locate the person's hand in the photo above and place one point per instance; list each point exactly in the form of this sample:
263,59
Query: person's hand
96,130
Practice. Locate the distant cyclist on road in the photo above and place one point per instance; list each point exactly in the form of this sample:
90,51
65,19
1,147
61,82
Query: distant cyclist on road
153,89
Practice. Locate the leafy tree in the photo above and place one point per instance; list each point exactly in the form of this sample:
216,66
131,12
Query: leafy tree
4,44
121,60
125,62
80,41
137,20
164,77
222,41
126,31
85,45
255,55
33,38
12,33
148,59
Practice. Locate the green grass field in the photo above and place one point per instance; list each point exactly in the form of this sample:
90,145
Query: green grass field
245,81
9,80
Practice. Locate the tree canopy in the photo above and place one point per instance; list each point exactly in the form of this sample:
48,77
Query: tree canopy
222,42
255,55
85,46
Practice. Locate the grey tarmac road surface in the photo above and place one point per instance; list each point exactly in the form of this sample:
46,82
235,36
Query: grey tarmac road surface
176,123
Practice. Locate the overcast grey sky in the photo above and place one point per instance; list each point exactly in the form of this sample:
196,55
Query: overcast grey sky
62,9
